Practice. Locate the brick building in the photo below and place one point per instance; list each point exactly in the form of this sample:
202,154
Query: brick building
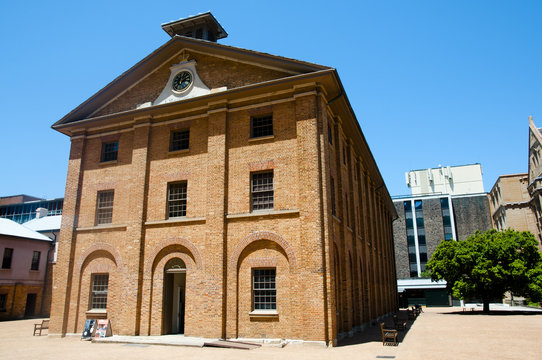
516,199
224,193
24,289
22,208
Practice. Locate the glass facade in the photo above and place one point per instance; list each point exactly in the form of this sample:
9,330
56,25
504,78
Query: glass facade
24,212
446,219
415,230
422,244
411,240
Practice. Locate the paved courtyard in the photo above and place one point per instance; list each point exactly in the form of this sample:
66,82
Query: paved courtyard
439,333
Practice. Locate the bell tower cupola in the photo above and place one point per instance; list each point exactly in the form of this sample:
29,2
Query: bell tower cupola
202,26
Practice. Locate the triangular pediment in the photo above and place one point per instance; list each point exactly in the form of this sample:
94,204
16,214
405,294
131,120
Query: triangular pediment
214,68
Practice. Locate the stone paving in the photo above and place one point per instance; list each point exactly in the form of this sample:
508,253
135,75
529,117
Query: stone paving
438,333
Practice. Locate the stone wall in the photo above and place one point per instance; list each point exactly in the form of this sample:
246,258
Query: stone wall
471,213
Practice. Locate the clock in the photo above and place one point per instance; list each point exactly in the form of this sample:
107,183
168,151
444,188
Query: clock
182,81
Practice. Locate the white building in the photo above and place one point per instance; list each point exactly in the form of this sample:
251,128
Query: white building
452,180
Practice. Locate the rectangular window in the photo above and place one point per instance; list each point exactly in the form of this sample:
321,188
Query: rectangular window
329,134
344,155
347,213
104,207
110,151
176,199
6,261
333,210
264,290
261,126
35,260
3,302
180,140
262,190
99,291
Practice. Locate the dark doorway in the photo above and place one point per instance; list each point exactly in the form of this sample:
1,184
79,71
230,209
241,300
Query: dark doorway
174,297
30,308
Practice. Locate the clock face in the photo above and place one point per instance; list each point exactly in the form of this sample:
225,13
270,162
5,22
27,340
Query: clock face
182,81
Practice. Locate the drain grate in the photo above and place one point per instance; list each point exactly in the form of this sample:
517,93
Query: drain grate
385,357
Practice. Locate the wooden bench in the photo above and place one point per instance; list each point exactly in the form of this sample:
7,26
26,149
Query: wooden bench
44,325
389,336
399,324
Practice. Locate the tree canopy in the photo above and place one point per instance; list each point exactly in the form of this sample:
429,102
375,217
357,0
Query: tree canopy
488,264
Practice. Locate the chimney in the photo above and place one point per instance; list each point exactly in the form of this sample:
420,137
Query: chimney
41,212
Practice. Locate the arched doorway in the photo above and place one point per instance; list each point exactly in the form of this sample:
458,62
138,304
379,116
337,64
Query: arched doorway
174,296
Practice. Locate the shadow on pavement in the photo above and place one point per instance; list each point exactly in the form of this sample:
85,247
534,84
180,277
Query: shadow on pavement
492,312
373,333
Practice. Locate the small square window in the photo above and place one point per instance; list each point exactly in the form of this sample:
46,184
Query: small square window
180,140
104,207
98,295
110,151
176,199
35,260
262,190
6,261
261,126
264,290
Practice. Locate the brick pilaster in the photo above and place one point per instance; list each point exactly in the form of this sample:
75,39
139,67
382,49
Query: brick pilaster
62,280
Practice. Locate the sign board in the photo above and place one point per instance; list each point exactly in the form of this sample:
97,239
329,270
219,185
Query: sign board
103,328
89,329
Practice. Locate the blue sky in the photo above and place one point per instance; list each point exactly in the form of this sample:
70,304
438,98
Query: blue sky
431,82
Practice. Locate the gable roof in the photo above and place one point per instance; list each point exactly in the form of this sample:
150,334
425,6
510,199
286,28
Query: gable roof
46,223
11,228
300,72
147,65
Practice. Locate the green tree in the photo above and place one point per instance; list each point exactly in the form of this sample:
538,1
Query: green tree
488,264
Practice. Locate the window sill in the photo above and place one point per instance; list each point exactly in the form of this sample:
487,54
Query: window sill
261,138
176,220
105,163
178,152
103,227
264,314
260,213
97,313
349,229
337,219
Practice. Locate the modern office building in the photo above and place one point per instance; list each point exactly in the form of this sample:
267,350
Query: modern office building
223,193
22,208
426,220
